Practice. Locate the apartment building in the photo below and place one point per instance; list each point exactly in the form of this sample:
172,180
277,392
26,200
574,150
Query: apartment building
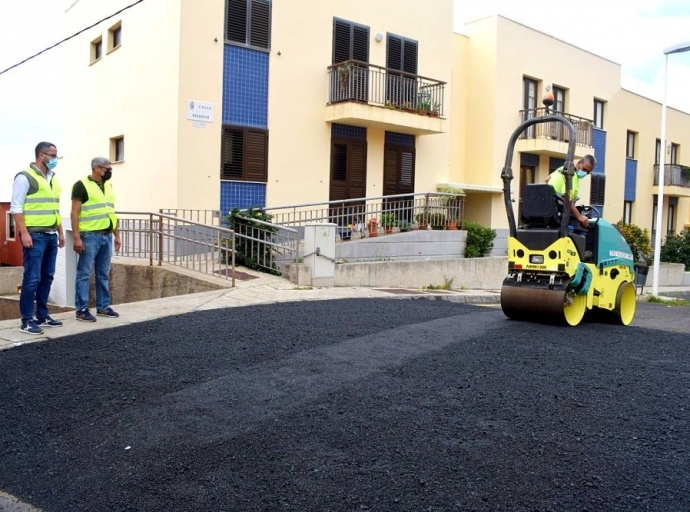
211,104
500,72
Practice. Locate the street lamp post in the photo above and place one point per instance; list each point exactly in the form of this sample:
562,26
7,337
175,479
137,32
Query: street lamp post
679,48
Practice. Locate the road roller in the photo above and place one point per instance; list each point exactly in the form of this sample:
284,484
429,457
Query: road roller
559,270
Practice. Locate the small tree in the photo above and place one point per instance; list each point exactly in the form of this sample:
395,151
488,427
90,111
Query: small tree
480,240
638,240
676,249
250,249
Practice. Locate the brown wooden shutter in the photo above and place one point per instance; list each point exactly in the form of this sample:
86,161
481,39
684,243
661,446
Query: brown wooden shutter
256,156
232,154
338,171
259,23
341,41
357,169
236,22
390,172
406,171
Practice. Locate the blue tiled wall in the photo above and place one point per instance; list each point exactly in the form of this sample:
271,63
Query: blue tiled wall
599,144
400,139
241,194
245,87
345,131
630,179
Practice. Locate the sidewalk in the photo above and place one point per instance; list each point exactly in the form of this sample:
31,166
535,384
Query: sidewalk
264,289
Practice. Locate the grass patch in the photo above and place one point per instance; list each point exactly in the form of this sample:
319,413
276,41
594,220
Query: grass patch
669,302
303,288
447,284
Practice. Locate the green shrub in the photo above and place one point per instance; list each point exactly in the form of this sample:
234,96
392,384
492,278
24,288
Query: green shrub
638,240
480,240
250,250
676,249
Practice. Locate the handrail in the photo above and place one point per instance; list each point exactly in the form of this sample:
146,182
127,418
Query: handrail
390,70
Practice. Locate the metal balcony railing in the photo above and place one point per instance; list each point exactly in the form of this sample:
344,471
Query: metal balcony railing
674,175
557,131
358,81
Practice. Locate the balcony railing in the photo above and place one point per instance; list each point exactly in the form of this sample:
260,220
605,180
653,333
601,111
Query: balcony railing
358,81
557,131
674,175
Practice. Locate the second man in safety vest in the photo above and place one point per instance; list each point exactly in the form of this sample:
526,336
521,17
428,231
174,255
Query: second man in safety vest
94,225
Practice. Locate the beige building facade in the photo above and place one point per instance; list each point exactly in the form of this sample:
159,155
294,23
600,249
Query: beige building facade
211,104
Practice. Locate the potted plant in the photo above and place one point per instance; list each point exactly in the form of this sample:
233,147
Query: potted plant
437,221
452,204
422,220
404,226
372,227
424,107
388,221
344,72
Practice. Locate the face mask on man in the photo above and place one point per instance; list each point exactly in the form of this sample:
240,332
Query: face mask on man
107,175
51,164
581,174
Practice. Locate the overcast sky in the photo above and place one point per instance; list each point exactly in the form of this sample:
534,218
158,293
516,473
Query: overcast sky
633,33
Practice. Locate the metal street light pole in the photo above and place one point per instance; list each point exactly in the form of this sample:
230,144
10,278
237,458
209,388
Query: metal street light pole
679,48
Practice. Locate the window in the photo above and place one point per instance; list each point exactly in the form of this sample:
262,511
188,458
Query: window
529,103
598,190
244,154
9,223
559,99
671,217
674,153
627,212
630,145
115,36
401,54
248,23
657,153
599,114
654,213
117,149
96,49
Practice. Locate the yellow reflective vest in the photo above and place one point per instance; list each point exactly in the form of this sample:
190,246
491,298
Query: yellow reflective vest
42,204
98,212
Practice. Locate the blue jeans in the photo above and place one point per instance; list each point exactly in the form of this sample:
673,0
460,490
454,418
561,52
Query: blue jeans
39,269
98,249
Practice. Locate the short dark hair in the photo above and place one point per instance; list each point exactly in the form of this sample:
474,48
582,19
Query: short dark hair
42,146
589,159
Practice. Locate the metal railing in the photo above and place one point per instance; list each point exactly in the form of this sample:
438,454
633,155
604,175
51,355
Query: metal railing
356,216
177,241
258,244
355,80
674,175
557,131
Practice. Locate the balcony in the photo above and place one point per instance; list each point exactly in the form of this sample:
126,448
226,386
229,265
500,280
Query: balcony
552,138
364,94
676,180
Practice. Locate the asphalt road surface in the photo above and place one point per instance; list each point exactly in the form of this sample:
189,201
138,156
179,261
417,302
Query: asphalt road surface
351,405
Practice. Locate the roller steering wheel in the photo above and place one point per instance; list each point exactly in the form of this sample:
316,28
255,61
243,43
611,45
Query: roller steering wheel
587,212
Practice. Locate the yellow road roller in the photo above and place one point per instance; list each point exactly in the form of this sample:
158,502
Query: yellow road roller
558,271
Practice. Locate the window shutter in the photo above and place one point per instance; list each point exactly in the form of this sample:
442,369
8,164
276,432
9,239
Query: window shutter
236,29
360,43
357,169
407,170
233,152
259,23
409,62
390,172
256,156
394,54
341,41
598,189
339,159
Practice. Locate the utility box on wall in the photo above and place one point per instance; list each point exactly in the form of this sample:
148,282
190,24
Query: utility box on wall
319,252
10,244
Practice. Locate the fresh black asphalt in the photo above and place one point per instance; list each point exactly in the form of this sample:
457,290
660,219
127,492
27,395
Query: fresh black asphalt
351,405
